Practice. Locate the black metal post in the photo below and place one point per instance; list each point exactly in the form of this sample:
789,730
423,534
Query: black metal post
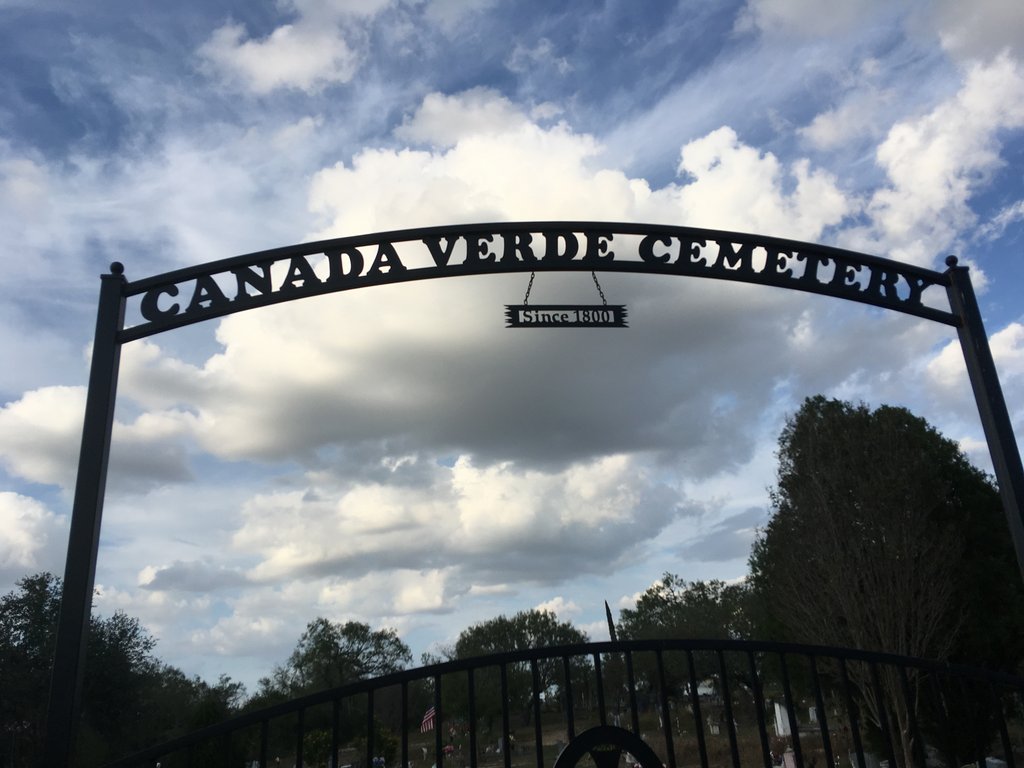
995,419
84,537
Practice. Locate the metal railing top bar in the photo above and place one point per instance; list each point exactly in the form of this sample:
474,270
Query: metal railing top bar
712,666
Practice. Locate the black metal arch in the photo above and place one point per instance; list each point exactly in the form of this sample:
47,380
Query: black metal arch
218,288
223,287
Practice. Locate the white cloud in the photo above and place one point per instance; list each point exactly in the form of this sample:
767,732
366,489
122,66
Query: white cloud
937,161
31,536
497,523
948,372
562,608
306,57
977,30
450,15
405,430
40,437
321,47
540,56
442,120
24,184
1005,217
858,115
736,183
806,18
367,400
980,30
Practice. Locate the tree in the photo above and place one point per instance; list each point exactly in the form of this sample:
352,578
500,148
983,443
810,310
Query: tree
701,609
129,698
525,630
674,608
28,618
330,654
884,537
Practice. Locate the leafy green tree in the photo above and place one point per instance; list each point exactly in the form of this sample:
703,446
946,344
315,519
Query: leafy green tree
884,537
330,654
522,631
27,634
525,630
675,608
700,609
129,698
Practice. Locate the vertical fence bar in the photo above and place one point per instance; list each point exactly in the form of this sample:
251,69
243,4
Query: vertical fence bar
631,682
794,729
762,731
852,713
405,727
730,722
600,690
438,724
300,734
506,747
698,720
819,702
369,729
570,705
538,732
666,713
264,739
471,683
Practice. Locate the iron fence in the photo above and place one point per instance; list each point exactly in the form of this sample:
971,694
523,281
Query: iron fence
673,703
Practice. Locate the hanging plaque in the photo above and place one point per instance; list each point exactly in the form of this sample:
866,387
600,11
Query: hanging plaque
565,316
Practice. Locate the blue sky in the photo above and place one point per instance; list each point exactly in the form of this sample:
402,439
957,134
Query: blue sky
394,455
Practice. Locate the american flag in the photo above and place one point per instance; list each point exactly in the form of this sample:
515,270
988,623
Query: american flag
427,724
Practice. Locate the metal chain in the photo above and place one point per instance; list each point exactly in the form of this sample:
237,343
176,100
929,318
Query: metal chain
526,298
529,287
598,285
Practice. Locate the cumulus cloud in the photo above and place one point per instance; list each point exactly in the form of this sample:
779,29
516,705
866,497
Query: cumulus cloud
937,161
40,438
321,47
497,523
428,436
195,576
562,608
979,30
729,176
858,114
31,536
441,120
308,57
948,372
394,455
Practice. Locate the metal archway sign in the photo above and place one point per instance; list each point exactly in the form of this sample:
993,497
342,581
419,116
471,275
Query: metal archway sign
182,297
